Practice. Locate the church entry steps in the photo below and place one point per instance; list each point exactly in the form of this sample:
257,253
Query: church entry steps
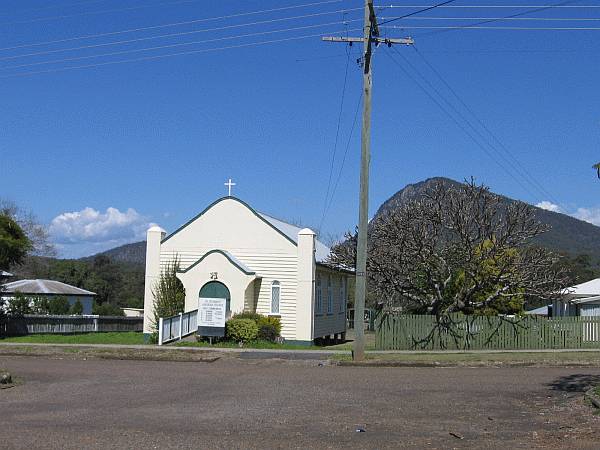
177,327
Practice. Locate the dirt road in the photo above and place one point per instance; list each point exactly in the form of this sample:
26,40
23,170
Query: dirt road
291,404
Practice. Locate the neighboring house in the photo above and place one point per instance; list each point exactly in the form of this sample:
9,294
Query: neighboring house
541,311
133,312
580,300
257,263
50,289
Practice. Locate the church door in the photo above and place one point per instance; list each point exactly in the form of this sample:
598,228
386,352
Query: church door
216,289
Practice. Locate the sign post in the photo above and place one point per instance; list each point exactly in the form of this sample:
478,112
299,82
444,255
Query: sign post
211,317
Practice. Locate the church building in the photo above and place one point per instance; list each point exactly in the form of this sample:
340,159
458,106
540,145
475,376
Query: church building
257,263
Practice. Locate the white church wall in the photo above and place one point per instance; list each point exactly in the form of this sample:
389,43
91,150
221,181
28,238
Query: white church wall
231,226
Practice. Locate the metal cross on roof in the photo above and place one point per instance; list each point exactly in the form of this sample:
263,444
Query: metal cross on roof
229,184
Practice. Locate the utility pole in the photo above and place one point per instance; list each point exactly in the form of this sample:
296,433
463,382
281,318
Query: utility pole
370,36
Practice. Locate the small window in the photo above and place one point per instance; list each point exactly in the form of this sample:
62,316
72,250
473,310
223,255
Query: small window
275,296
329,296
319,305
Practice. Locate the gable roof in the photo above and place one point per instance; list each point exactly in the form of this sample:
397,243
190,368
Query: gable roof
232,259
287,230
40,287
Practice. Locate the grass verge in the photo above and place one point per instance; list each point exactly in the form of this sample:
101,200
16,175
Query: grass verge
122,338
250,345
476,359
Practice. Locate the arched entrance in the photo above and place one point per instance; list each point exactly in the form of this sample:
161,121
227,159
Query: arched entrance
216,289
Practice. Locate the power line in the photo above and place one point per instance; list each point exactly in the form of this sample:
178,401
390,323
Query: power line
519,14
451,116
541,19
428,8
168,55
183,33
333,191
460,27
173,24
337,134
181,44
490,6
104,11
520,167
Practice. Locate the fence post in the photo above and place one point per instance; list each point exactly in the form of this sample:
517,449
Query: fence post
160,331
96,324
180,324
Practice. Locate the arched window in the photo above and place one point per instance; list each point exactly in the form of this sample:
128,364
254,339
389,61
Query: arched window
275,296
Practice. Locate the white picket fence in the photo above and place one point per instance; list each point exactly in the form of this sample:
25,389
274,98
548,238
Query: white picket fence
177,327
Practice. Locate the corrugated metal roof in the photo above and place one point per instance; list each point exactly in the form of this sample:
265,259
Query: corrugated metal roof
542,311
49,287
586,289
291,231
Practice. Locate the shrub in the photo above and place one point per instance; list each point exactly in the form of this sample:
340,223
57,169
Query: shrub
59,305
272,321
241,330
77,308
19,305
248,315
106,309
268,332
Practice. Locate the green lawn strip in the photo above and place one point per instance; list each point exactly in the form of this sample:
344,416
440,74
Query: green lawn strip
574,358
253,344
123,338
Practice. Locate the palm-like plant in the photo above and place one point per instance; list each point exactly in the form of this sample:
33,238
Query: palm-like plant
597,167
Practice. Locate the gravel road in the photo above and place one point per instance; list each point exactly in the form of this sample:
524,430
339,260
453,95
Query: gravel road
231,403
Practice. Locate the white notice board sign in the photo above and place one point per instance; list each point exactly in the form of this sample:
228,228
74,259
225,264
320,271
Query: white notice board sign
211,312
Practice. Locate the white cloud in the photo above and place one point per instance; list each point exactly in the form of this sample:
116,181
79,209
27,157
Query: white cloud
549,206
591,215
90,231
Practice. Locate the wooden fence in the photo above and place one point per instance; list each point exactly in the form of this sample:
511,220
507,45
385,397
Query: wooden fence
36,324
422,332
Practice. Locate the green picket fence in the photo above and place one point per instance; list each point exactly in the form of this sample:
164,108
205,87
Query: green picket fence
422,332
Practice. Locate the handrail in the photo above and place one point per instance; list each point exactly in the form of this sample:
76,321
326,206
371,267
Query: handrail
177,327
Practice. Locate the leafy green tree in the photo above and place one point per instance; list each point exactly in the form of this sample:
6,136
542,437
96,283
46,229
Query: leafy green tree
59,305
106,309
19,305
168,293
41,305
14,243
77,308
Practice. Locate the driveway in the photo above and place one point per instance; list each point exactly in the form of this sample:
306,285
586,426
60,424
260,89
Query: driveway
291,404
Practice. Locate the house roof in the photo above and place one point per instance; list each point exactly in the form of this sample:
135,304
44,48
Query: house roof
592,299
587,289
542,311
40,287
289,231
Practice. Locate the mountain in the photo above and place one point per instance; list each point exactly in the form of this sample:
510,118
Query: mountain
134,253
567,234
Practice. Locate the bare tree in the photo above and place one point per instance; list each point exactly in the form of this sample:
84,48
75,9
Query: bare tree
457,250
35,231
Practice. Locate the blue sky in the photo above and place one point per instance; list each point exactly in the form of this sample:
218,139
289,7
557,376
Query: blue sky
98,153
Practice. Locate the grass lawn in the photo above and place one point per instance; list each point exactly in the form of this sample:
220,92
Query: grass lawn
253,344
123,338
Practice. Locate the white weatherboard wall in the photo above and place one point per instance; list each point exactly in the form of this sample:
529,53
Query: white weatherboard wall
327,323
